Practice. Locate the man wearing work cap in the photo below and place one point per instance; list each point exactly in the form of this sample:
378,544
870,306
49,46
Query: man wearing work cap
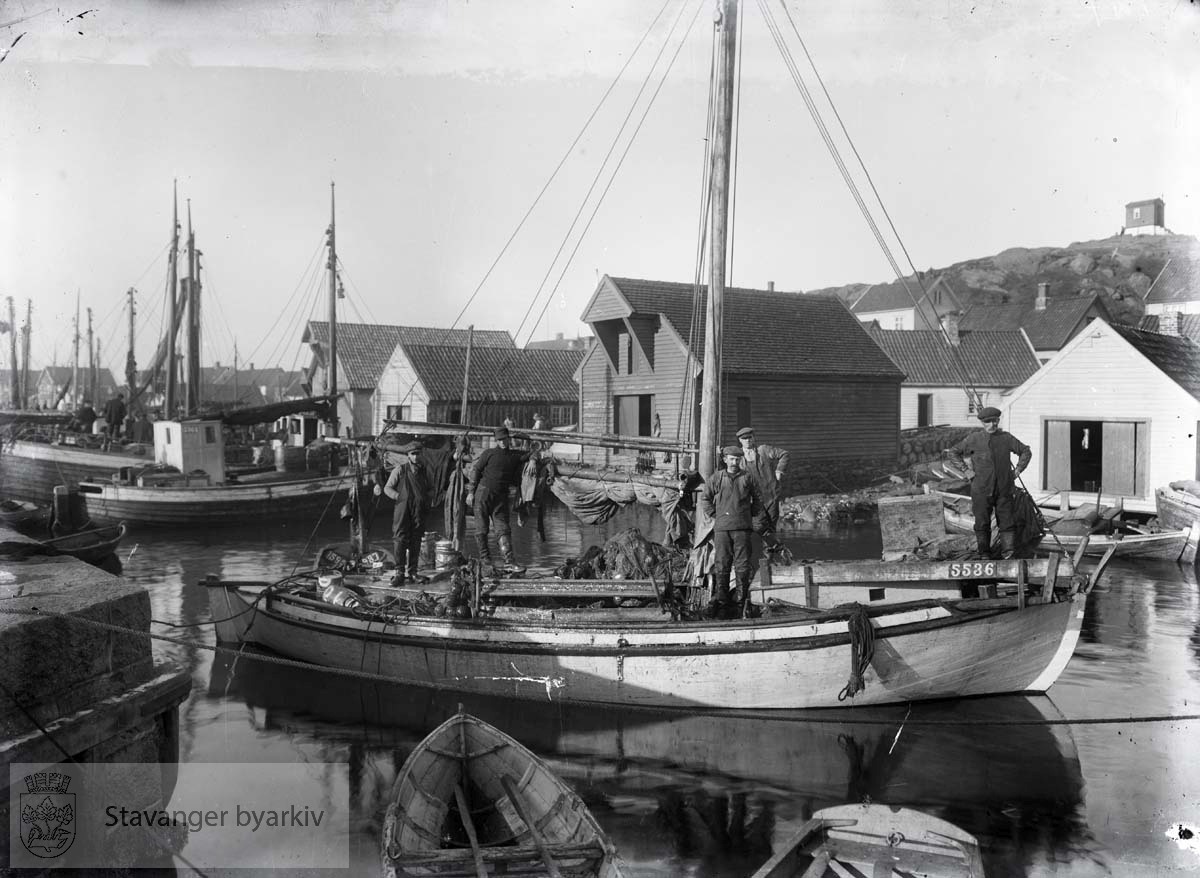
410,487
990,451
766,465
495,471
733,502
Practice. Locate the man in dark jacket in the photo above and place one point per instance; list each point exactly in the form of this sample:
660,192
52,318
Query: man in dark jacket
990,452
733,502
495,471
765,464
85,416
114,413
410,487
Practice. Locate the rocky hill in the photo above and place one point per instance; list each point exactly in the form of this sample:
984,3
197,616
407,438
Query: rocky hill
1120,269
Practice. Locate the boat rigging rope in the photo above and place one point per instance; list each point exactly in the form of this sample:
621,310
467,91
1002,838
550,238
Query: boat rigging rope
862,650
842,717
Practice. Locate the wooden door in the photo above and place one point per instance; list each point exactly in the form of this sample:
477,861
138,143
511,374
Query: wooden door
1118,472
924,409
1057,453
625,415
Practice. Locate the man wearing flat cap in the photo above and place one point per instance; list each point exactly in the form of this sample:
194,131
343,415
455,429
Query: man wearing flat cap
765,464
990,451
495,471
410,486
734,504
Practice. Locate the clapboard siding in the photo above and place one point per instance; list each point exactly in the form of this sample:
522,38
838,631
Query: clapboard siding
949,405
1100,377
398,385
606,304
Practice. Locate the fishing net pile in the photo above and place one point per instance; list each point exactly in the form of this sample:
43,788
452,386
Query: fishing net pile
628,555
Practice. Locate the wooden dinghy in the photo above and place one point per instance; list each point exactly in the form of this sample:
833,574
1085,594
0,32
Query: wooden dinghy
876,840
619,642
1177,508
471,801
91,545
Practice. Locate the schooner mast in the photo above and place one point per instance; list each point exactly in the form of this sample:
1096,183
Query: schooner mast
332,384
169,402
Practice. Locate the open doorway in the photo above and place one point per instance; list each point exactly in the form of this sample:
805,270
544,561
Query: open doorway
1108,456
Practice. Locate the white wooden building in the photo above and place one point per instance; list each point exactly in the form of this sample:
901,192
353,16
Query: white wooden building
1116,411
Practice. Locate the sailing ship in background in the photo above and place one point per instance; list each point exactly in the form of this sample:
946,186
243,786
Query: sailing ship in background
185,479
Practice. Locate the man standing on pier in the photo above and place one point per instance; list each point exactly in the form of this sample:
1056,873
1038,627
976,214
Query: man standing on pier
992,483
765,464
495,471
410,487
734,504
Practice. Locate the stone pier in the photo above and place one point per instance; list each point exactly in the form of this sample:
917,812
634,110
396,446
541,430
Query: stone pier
69,686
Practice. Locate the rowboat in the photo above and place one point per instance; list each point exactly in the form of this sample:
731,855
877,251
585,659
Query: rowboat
1171,545
472,801
875,839
482,638
1178,508
18,513
91,545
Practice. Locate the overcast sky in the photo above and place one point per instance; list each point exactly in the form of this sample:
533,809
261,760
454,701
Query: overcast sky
985,126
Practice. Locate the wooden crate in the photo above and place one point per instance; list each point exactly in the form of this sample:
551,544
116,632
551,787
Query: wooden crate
907,521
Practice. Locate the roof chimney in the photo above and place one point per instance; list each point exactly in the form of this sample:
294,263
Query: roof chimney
1171,323
950,324
1043,293
770,286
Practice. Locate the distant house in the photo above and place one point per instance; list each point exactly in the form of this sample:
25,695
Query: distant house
902,304
1176,289
6,388
558,343
1175,323
1117,410
800,369
364,349
1148,217
938,366
1049,322
425,383
53,379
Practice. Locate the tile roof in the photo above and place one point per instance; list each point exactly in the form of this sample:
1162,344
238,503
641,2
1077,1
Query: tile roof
1177,357
769,333
989,359
1048,329
899,295
515,375
1190,327
1179,281
365,348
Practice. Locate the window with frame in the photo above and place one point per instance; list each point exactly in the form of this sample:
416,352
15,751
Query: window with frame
898,322
399,412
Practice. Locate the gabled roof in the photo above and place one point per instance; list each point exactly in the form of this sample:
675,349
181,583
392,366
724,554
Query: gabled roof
1048,329
365,348
938,298
497,375
1179,281
61,374
1177,357
767,332
989,359
1189,328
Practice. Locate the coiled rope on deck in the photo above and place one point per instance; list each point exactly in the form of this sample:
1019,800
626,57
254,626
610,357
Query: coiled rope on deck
862,650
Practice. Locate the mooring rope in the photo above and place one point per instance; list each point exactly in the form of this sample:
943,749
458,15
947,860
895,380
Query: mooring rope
862,650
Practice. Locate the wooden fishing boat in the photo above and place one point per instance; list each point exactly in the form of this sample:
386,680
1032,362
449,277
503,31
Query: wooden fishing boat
1133,542
91,545
874,839
472,801
30,470
19,513
1178,508
1015,639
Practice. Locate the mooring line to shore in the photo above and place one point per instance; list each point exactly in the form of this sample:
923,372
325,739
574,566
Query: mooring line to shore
906,720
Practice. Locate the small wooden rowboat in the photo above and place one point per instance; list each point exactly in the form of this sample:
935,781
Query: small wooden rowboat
875,840
90,545
1177,508
471,801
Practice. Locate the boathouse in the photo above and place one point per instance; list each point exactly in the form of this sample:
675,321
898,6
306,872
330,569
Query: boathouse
1050,322
800,369
911,303
425,383
363,350
1115,411
941,366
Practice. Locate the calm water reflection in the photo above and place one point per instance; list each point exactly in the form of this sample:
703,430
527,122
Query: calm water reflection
709,794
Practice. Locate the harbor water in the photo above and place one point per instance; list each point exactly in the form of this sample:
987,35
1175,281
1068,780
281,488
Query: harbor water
1050,785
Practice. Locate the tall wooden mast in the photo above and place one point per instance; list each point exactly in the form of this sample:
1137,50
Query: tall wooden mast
169,406
130,359
25,332
92,358
333,295
15,382
710,415
75,359
192,403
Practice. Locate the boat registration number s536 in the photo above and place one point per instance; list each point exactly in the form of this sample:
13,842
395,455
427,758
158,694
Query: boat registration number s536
973,569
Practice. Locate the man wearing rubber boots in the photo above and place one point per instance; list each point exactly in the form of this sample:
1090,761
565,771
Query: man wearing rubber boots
990,452
410,488
733,502
495,471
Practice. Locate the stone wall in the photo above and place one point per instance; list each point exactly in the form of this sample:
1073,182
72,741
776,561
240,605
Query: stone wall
926,444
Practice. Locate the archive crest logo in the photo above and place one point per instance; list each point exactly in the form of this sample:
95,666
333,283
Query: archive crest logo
47,814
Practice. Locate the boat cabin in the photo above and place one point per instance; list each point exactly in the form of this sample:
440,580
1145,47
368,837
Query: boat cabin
191,445
296,431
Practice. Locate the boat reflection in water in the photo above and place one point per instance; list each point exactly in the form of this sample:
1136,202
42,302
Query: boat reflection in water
712,792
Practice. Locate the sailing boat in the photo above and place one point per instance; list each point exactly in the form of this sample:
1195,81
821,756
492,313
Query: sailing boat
199,490
631,642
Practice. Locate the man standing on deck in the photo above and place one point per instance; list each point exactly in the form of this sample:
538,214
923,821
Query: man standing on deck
114,413
495,471
765,464
992,482
410,487
733,503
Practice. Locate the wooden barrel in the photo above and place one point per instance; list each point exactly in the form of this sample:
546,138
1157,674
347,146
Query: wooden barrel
444,554
291,460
